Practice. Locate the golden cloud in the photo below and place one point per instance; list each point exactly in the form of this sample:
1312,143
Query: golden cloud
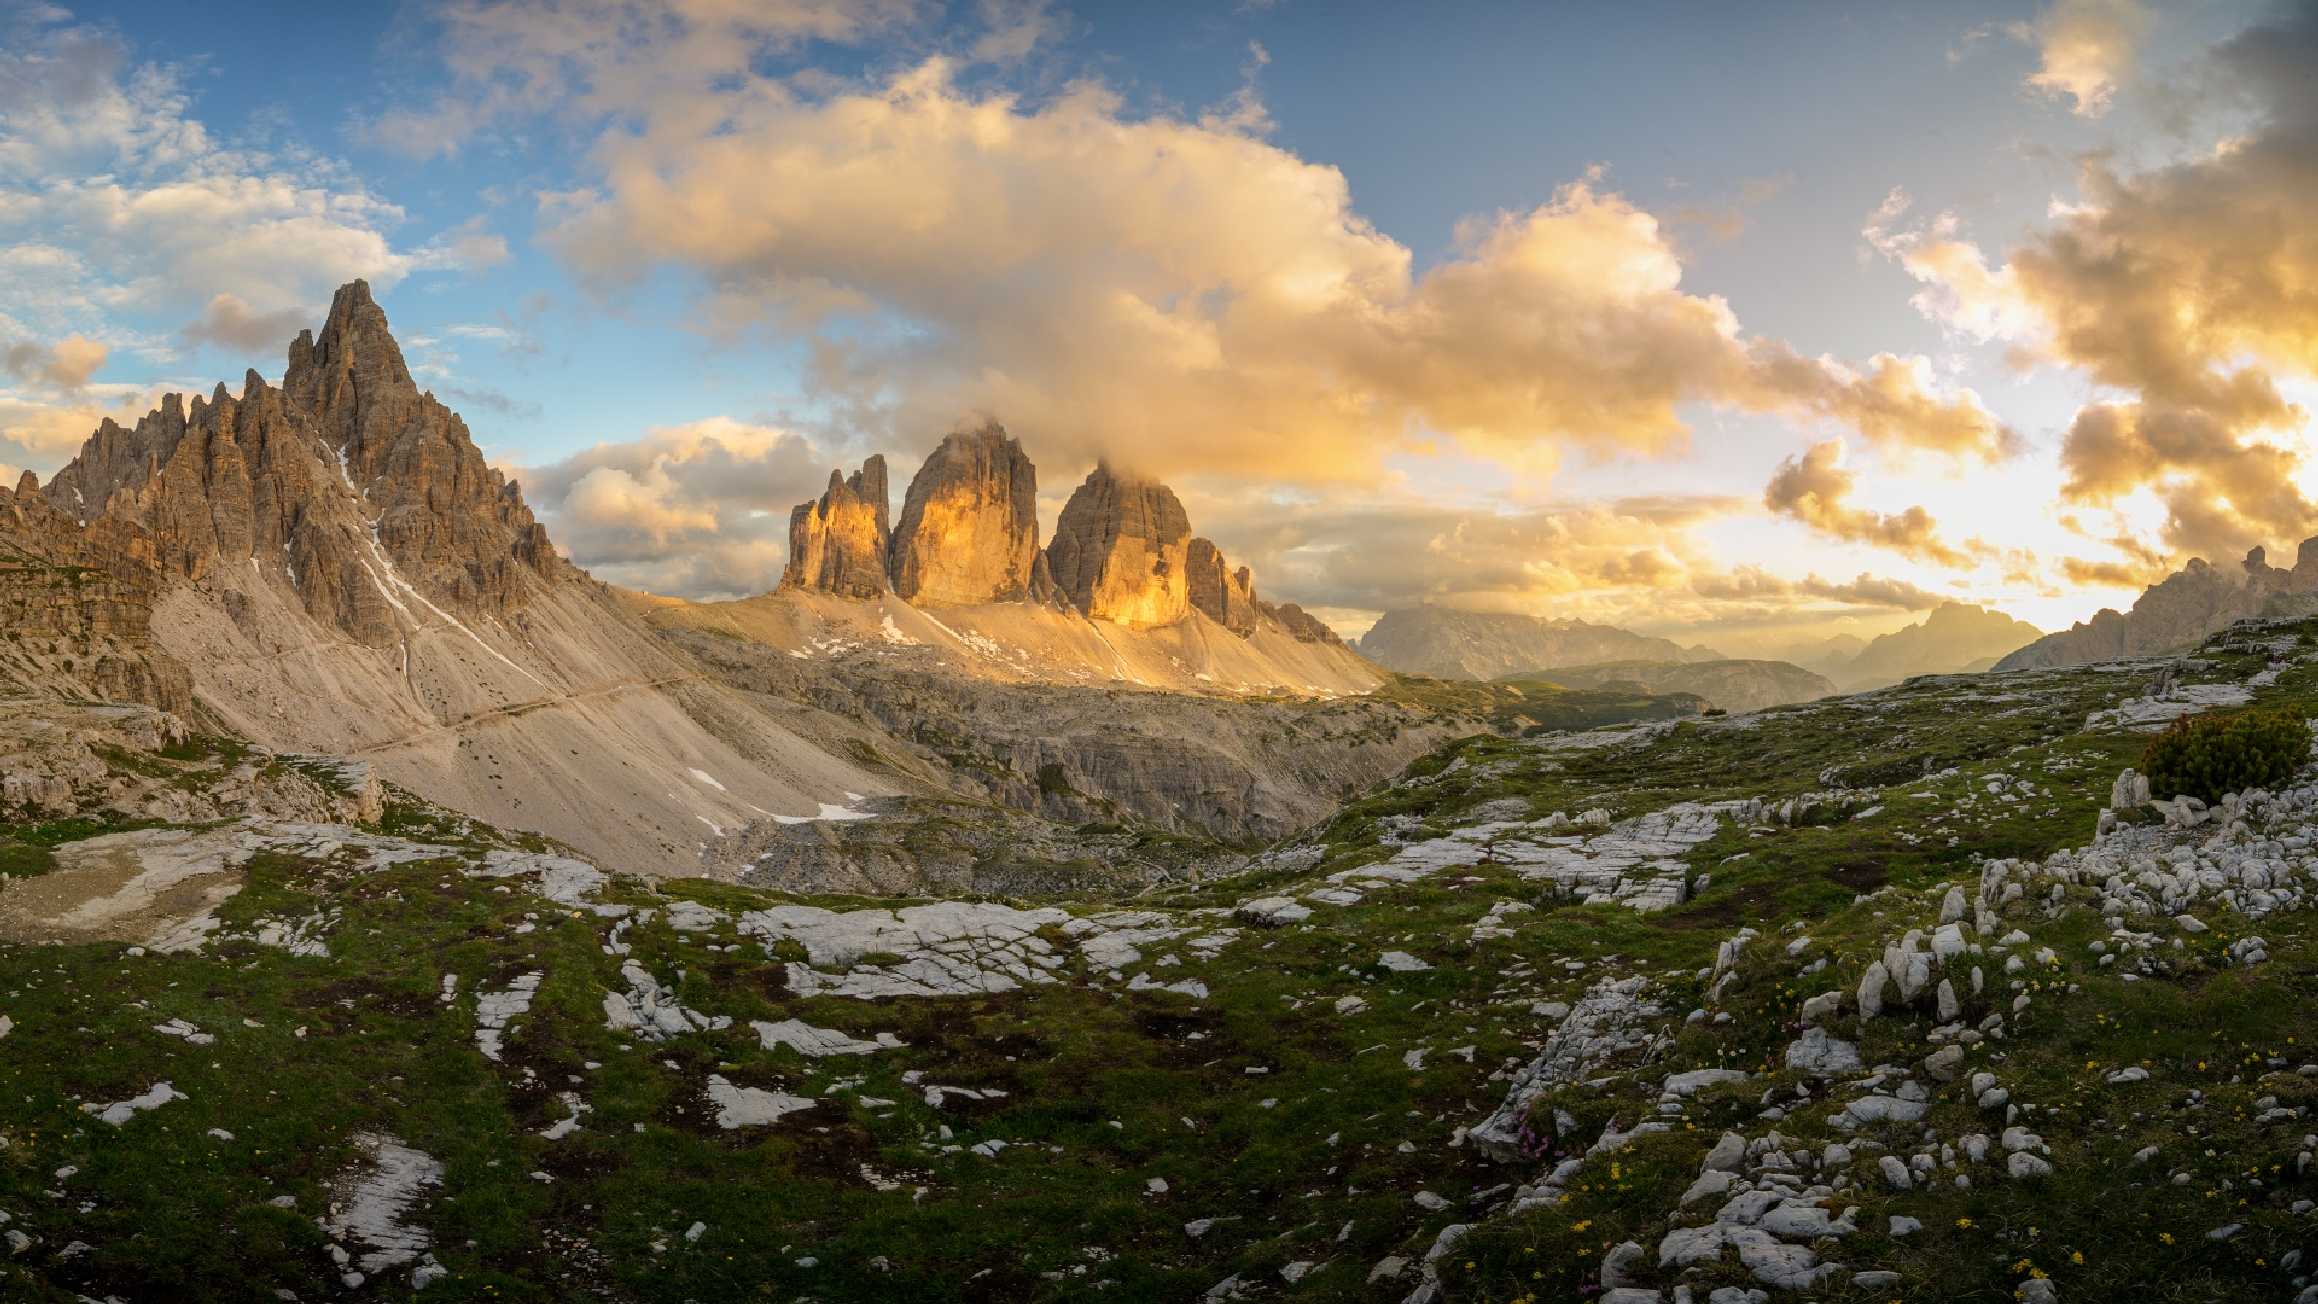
700,509
1185,293
2191,290
1816,490
65,365
2086,49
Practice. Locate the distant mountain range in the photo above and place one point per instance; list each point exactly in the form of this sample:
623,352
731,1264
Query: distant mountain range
1732,685
1446,643
1955,638
1450,644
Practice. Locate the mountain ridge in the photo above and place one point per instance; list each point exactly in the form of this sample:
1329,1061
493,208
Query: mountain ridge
1734,684
1448,643
339,570
2174,613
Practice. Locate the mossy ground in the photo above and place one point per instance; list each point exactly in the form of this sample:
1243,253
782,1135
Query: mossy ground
1301,1126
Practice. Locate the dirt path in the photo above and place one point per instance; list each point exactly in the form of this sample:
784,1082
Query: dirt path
513,709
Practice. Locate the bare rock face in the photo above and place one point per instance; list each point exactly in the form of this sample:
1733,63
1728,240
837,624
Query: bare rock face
969,525
443,514
838,544
1121,551
360,491
1306,627
2177,612
1223,595
76,608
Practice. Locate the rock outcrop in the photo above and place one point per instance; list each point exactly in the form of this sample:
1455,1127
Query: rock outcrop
2179,610
347,479
1302,624
443,514
1223,595
1120,551
968,535
1450,644
838,543
969,526
76,608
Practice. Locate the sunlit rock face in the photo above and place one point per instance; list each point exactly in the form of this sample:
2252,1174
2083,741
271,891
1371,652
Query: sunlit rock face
1121,551
969,526
838,543
1223,595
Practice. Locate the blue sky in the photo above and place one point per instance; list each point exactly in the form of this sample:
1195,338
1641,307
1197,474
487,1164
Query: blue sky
1496,288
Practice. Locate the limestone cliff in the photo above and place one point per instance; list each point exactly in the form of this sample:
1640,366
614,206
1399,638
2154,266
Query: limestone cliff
76,608
1120,551
838,543
969,524
1223,595
340,571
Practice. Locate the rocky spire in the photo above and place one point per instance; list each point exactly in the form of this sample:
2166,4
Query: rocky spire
1119,551
838,544
969,525
352,377
1223,595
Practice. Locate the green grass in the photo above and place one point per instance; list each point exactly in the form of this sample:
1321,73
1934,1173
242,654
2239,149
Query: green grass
1316,1156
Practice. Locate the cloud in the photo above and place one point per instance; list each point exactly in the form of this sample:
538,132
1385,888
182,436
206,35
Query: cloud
64,365
1961,292
1114,284
699,510
229,322
1636,562
1816,490
470,397
2086,50
1754,584
114,199
42,430
515,58
2117,574
2187,292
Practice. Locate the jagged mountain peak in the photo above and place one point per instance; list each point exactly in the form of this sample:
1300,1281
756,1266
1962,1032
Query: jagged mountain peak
327,483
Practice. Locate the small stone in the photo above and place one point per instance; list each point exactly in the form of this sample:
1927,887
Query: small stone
1727,1154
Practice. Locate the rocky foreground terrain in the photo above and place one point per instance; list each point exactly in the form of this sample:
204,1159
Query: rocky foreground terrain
1905,995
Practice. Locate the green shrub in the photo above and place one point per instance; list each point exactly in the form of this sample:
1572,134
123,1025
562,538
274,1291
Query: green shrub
2209,755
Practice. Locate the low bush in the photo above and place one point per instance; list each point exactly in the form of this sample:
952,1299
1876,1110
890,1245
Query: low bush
2209,755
